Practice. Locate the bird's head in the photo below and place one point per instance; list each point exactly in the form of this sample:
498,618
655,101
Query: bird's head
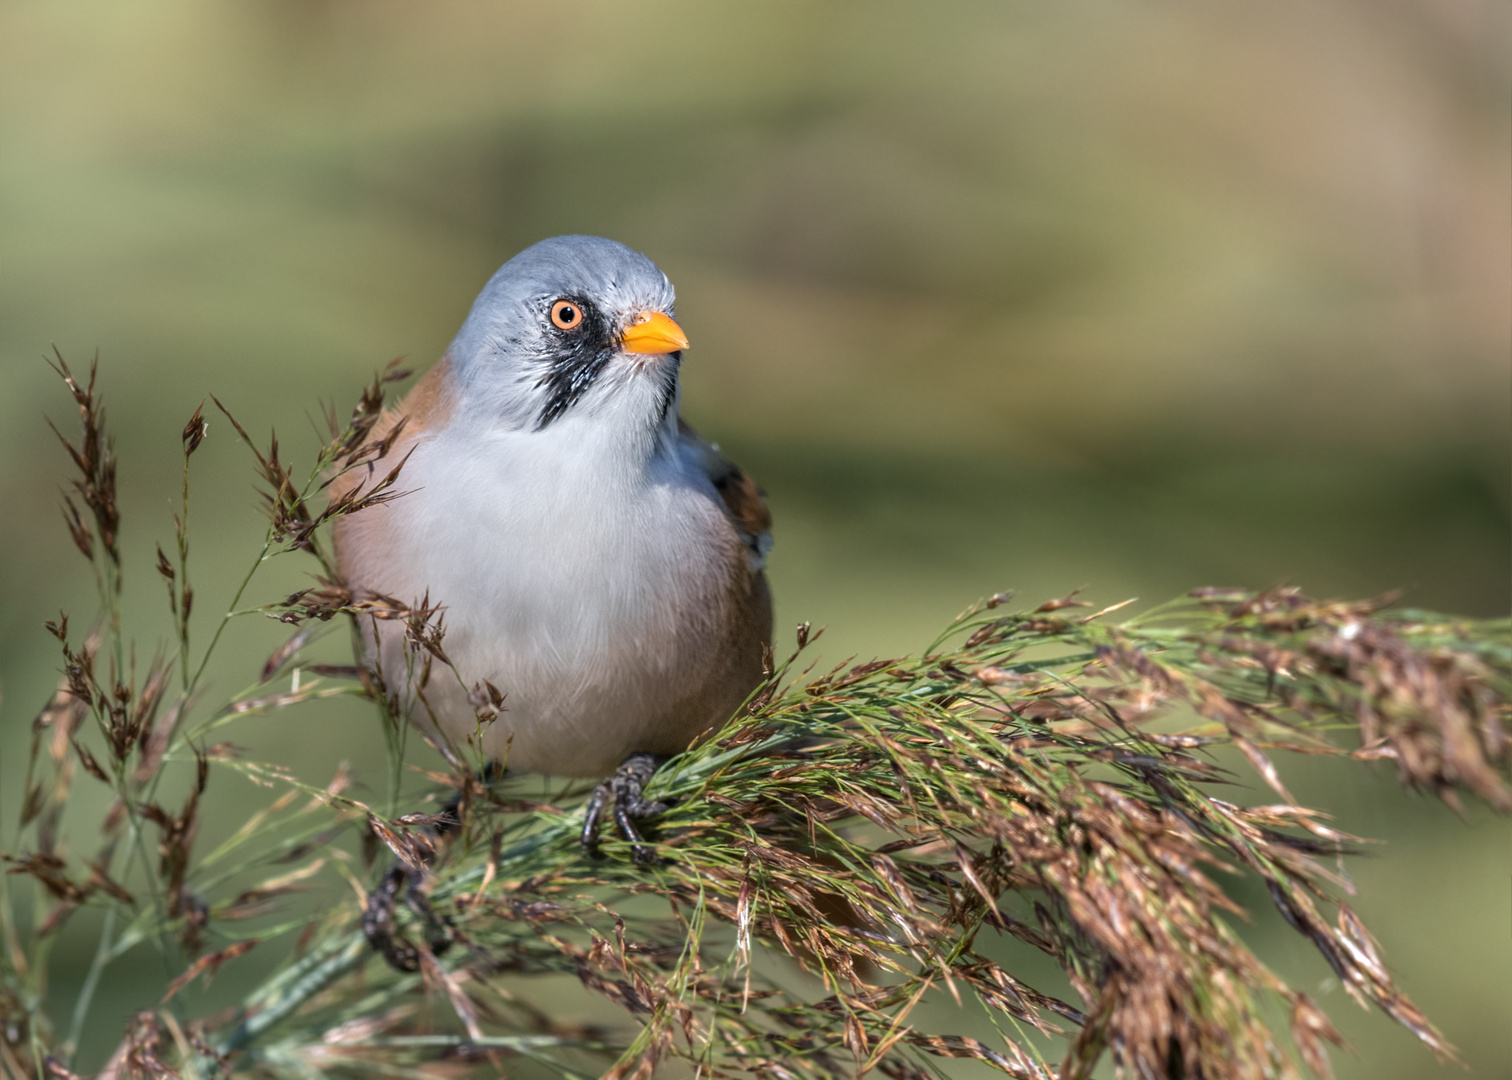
573,329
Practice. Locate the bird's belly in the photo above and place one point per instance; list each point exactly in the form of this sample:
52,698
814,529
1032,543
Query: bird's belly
603,638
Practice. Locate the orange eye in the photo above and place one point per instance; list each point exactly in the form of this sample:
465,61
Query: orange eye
565,315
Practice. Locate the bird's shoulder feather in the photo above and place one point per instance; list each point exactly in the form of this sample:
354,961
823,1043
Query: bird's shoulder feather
429,403
744,501
425,409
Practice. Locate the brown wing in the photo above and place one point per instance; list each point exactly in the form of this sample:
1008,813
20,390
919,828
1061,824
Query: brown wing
744,501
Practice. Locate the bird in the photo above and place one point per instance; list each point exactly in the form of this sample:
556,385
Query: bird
600,566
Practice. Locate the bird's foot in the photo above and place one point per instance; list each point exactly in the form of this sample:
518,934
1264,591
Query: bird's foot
378,924
625,788
378,920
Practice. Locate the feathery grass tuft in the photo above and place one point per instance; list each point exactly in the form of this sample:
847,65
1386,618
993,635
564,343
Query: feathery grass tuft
858,843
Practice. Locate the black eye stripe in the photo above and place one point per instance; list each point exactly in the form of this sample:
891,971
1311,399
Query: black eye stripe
573,357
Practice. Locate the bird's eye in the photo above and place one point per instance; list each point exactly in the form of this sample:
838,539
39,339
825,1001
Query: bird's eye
565,315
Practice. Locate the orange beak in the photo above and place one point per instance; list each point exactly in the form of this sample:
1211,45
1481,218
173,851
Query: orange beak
653,334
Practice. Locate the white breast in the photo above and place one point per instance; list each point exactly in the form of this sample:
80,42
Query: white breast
587,581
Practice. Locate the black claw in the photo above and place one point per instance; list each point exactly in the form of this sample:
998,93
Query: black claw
595,810
378,920
625,788
438,935
638,849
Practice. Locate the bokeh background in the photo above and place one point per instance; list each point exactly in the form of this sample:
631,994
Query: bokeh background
1129,297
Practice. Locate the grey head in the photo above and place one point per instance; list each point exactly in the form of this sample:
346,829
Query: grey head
566,327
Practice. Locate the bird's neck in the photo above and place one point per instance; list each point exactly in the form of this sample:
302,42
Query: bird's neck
591,448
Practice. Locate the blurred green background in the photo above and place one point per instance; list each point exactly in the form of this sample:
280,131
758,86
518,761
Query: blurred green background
1130,297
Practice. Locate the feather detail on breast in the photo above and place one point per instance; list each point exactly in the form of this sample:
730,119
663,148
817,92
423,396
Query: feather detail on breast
615,616
743,499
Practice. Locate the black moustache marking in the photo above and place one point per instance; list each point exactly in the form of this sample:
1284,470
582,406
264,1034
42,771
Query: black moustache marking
573,360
